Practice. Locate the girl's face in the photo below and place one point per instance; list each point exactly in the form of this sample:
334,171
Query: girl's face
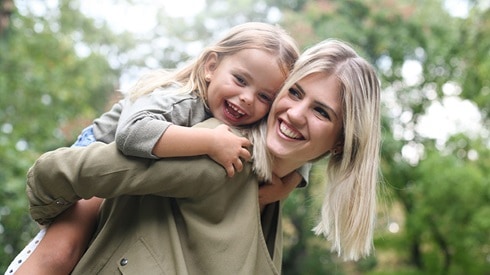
305,120
242,86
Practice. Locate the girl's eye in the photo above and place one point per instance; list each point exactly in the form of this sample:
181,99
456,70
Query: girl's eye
266,97
240,80
322,112
294,93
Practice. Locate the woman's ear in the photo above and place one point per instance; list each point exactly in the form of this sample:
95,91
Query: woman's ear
338,148
210,65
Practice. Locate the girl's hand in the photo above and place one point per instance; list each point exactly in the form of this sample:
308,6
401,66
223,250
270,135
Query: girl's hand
278,189
228,150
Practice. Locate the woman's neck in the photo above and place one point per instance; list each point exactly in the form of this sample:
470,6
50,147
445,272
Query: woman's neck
282,167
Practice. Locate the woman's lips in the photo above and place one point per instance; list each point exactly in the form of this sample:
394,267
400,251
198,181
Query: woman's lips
288,131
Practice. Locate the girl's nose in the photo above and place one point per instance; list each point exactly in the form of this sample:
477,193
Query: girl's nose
247,96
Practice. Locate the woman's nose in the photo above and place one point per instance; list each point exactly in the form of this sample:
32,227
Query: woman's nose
296,113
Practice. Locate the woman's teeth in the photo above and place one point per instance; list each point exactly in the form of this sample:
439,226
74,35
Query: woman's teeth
288,132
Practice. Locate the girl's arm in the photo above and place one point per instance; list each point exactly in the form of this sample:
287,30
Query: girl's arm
65,241
157,125
220,144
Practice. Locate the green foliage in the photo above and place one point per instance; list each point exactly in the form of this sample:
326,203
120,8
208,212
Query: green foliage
476,63
449,216
49,93
304,252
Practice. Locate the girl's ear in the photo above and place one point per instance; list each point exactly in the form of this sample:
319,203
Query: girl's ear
210,64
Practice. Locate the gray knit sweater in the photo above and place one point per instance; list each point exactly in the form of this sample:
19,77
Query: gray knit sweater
137,125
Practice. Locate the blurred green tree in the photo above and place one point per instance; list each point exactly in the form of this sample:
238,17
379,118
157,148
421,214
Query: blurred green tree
54,79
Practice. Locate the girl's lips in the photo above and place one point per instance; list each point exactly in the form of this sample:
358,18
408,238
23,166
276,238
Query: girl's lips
233,110
289,131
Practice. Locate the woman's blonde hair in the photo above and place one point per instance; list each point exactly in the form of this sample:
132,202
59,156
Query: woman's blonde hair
251,35
349,207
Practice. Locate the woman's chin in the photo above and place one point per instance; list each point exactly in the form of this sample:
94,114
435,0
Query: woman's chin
277,150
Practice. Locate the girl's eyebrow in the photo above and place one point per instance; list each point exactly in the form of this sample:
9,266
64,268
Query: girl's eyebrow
321,104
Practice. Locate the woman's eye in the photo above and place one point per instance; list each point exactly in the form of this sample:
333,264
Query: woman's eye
322,112
294,93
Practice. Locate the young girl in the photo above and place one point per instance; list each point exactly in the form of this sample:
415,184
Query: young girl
234,80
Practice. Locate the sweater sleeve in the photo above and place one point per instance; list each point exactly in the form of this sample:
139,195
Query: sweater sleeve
145,120
61,177
105,126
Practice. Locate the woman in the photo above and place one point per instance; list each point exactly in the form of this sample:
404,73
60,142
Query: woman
184,216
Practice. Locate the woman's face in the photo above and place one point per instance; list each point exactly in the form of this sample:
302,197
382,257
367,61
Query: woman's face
305,120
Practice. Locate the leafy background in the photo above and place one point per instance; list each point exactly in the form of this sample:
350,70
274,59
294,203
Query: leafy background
61,67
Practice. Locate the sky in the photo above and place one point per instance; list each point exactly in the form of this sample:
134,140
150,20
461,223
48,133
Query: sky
140,17
137,17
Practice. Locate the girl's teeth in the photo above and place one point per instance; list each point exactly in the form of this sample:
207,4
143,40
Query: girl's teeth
237,110
234,111
288,131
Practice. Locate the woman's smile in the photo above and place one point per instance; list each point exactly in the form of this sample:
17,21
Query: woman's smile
288,131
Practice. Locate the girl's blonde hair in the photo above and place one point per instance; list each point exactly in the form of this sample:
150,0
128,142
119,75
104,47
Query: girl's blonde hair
349,207
251,35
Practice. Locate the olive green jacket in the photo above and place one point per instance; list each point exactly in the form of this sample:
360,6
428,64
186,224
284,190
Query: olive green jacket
171,216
